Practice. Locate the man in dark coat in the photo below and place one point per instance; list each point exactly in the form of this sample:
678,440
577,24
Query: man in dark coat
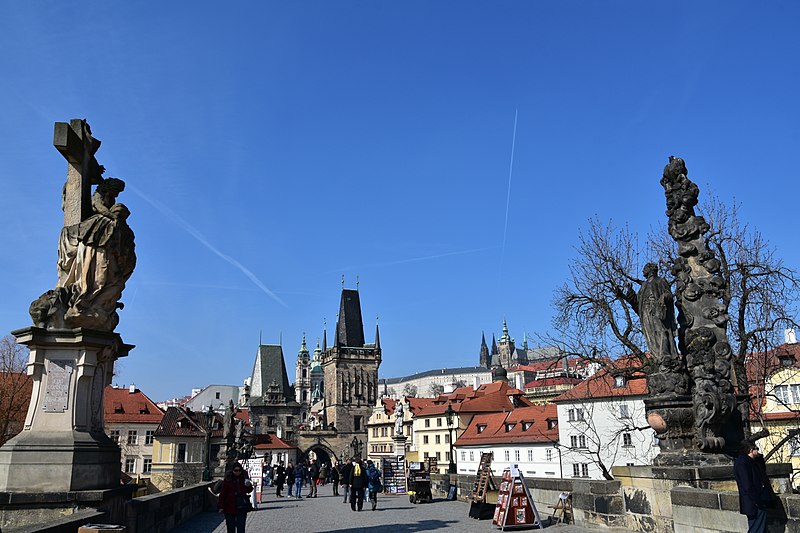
344,473
313,474
358,483
280,479
755,491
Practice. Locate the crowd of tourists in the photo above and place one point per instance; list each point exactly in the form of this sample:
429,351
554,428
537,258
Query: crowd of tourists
359,481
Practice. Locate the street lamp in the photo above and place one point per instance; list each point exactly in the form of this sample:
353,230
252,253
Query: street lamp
210,416
451,469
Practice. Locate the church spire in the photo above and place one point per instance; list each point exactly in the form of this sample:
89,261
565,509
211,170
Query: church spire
484,353
324,335
377,335
494,346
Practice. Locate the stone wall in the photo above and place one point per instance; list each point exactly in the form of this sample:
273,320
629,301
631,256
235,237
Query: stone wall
158,513
663,506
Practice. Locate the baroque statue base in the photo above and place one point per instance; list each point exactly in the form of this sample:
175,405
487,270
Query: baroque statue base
63,445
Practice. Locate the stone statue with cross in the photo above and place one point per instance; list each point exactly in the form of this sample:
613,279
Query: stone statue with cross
96,246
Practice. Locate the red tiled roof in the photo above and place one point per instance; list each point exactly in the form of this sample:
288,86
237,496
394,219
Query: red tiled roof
123,406
550,382
491,397
181,422
388,405
603,383
510,427
268,441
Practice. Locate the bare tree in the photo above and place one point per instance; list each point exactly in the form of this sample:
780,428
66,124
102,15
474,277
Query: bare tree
15,388
410,390
435,390
595,318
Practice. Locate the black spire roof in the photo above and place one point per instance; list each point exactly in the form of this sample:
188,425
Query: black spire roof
350,327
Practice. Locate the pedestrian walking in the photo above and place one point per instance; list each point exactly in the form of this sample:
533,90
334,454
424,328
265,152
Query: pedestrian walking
234,502
335,479
358,483
322,478
280,479
299,476
755,491
290,478
374,485
313,475
344,473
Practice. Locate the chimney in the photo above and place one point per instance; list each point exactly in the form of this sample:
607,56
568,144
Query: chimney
132,389
789,336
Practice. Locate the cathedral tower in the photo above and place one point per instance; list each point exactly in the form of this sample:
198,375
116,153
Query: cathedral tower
350,369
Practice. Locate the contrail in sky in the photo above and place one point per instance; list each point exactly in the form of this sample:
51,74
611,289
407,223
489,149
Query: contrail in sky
415,259
510,169
191,230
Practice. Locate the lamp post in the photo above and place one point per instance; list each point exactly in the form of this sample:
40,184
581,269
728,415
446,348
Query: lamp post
451,469
209,423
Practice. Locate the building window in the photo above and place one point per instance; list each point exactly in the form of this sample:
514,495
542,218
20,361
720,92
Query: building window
577,441
530,455
447,439
147,465
130,465
576,470
289,421
579,414
516,455
181,457
438,455
585,469
481,427
549,454
551,424
447,456
216,396
627,440
357,423
438,422
115,435
271,421
132,436
148,437
507,455
304,372
425,439
426,455
471,456
619,381
438,439
427,422
794,446
624,412
463,456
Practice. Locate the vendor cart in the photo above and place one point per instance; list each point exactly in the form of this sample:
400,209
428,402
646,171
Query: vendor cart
418,482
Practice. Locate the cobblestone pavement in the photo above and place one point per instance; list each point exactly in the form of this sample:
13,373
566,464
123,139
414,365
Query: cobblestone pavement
327,513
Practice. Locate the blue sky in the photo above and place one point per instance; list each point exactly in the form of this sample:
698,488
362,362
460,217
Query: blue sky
270,147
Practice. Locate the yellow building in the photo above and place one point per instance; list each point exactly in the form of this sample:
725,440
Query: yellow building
775,404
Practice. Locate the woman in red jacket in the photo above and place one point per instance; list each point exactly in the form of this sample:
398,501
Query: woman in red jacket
234,501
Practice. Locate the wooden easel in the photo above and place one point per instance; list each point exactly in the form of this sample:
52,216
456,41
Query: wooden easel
562,510
483,484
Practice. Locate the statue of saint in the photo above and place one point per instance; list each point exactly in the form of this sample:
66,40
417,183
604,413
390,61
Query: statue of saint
399,415
656,310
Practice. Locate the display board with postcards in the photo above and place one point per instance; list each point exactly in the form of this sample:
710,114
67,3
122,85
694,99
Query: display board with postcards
394,476
515,508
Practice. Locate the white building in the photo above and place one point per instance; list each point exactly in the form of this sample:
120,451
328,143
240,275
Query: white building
443,380
526,436
598,421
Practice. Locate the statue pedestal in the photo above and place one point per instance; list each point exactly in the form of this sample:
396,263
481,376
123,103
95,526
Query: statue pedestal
63,446
400,445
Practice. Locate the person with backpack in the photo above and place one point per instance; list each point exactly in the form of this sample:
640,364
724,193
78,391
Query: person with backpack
374,485
358,484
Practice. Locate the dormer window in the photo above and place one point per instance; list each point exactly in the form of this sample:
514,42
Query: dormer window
118,407
619,381
526,426
481,427
552,423
786,360
143,410
510,426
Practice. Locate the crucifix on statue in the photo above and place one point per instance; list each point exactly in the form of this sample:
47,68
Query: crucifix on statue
75,142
